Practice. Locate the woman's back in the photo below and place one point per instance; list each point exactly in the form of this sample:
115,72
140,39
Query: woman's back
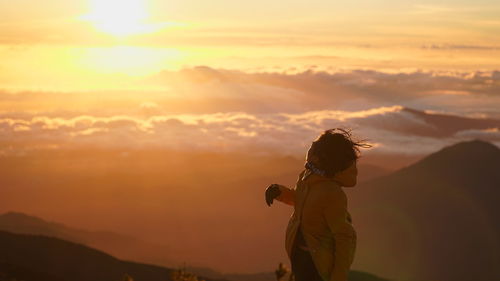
313,220
320,214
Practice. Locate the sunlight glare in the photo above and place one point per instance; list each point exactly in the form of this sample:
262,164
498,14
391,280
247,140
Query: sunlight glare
120,17
130,60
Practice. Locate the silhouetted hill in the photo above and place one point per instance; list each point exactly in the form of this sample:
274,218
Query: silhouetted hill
435,220
70,261
25,224
472,167
473,160
11,272
121,246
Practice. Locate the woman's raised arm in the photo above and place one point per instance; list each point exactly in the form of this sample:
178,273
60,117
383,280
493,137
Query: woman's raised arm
287,195
280,193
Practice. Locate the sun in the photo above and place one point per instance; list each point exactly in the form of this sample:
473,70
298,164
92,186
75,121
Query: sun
120,17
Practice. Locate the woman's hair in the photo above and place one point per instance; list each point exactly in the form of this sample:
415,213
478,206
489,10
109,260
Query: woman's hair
333,151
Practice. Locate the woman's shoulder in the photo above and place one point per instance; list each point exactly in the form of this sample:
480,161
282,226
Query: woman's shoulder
318,182
331,190
325,182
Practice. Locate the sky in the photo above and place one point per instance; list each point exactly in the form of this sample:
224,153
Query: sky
154,73
291,57
91,45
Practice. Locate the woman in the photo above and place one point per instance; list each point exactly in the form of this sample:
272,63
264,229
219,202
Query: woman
320,239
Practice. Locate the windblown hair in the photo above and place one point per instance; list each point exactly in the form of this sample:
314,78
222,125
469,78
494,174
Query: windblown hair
334,151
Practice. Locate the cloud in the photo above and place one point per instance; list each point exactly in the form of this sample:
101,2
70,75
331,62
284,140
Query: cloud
490,134
205,108
285,133
368,84
459,47
204,89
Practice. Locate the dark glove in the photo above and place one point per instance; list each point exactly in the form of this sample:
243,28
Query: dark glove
272,192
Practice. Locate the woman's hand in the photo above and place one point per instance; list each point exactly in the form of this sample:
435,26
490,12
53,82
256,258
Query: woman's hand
272,192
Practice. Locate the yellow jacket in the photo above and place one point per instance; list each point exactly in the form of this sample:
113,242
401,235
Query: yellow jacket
320,205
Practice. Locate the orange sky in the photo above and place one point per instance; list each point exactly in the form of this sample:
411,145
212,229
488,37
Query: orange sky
89,45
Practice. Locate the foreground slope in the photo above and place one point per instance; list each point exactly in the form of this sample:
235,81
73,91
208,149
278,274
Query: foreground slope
70,261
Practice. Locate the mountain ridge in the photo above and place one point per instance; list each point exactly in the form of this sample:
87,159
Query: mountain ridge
39,257
72,261
444,203
42,224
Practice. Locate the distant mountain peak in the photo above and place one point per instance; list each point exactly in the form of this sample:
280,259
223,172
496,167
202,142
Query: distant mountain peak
475,144
21,217
466,150
16,214
469,161
448,199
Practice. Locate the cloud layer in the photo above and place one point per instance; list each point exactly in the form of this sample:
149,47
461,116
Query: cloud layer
203,108
391,129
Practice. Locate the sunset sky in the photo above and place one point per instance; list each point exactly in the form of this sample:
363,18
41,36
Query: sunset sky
157,73
88,45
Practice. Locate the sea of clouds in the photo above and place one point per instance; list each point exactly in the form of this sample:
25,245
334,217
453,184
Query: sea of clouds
203,108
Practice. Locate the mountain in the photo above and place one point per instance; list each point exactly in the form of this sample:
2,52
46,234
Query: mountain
36,255
118,245
437,219
42,258
20,223
10,272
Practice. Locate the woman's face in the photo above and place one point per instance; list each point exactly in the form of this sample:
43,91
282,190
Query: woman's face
348,176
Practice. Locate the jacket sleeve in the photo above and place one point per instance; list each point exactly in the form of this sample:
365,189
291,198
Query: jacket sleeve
287,195
336,216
